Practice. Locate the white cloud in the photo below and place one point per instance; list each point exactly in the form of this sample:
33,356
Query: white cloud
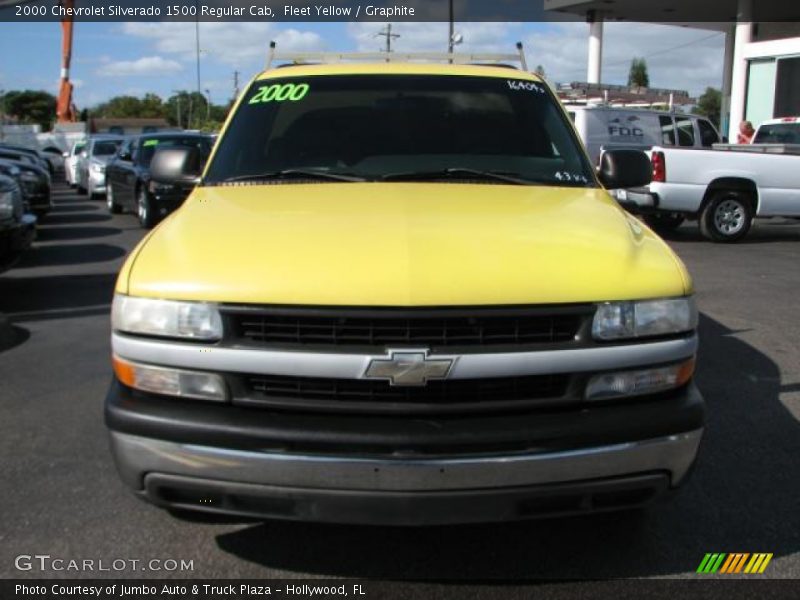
239,45
150,66
677,57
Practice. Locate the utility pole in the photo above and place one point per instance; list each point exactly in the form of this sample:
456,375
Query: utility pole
452,33
208,106
197,44
235,85
178,106
387,33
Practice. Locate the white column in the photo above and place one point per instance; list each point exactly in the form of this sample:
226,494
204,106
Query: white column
727,75
744,34
595,62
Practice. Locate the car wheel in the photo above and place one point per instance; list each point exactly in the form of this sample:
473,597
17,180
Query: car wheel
147,217
664,222
113,207
727,217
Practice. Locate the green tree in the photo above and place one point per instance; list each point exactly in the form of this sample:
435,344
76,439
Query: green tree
31,107
710,105
192,107
638,77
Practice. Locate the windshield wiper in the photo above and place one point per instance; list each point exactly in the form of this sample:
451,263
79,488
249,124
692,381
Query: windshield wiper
297,174
461,173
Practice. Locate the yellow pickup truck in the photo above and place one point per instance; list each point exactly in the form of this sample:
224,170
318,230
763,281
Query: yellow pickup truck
401,294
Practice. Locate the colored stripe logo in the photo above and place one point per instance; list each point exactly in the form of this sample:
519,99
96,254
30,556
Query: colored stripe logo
734,563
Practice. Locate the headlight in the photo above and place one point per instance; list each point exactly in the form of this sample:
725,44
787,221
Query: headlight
6,205
97,168
165,318
640,382
171,382
647,318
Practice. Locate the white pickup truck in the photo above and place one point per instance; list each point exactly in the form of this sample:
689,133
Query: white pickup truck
724,188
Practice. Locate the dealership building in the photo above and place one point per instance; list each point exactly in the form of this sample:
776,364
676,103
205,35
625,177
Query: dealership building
761,70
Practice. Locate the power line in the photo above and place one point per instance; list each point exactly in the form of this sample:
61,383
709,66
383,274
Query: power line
678,47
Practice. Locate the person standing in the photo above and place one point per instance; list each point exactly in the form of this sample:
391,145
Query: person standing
746,133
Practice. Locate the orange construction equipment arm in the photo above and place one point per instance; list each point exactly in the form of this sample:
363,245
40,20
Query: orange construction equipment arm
65,110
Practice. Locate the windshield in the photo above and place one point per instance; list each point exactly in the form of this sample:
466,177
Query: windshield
106,148
778,133
150,145
384,126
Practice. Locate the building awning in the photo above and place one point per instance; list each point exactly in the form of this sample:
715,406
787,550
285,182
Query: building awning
708,14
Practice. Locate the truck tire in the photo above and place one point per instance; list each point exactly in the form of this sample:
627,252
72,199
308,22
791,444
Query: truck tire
664,222
727,217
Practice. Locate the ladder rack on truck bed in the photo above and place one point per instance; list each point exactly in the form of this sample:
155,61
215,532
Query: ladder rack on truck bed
301,58
793,149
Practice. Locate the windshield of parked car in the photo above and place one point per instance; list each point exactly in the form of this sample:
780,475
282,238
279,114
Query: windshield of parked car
778,133
106,147
150,145
401,127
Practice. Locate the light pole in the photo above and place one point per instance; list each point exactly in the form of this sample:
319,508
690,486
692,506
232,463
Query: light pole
208,106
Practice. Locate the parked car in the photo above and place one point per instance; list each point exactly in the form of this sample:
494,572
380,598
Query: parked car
778,131
610,127
39,158
724,189
36,183
55,157
128,174
17,229
401,294
71,160
93,162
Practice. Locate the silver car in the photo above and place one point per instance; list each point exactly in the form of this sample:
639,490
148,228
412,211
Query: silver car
92,164
71,159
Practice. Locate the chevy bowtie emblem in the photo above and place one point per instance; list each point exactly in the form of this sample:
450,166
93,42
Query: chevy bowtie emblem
409,367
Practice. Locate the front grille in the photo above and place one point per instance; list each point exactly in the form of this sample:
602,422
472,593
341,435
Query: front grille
364,396
410,328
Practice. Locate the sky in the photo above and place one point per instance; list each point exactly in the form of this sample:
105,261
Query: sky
111,59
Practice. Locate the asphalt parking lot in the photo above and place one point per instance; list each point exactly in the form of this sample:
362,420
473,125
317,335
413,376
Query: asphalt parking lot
62,496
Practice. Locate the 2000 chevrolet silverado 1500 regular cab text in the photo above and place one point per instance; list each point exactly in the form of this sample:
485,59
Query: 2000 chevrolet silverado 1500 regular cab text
401,295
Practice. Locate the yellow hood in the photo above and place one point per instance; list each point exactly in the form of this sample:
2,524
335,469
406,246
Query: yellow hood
402,244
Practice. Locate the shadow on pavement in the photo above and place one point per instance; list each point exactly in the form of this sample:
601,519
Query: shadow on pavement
11,335
50,234
55,218
76,254
742,497
51,297
73,207
762,232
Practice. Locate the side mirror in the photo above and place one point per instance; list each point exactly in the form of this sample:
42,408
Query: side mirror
624,169
171,166
84,154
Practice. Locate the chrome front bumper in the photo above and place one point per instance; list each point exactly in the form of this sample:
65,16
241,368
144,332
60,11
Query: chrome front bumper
206,478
